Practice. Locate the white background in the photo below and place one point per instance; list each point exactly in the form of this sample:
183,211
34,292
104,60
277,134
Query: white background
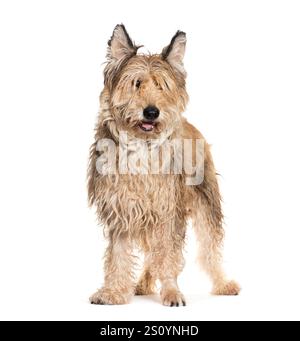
243,64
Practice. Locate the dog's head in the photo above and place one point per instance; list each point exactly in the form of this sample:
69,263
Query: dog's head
146,94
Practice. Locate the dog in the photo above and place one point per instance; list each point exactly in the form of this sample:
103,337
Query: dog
145,96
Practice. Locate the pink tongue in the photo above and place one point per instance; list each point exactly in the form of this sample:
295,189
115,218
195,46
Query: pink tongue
147,126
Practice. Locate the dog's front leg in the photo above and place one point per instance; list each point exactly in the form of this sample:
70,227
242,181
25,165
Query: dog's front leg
118,285
170,293
166,264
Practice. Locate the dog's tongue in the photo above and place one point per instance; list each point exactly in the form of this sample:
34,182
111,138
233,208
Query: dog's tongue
147,126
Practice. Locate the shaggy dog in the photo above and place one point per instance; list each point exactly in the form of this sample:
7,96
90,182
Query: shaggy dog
145,96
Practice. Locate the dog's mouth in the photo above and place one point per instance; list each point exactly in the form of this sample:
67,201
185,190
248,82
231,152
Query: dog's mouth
147,125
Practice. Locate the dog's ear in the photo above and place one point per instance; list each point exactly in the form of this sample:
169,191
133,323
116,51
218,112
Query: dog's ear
174,52
120,45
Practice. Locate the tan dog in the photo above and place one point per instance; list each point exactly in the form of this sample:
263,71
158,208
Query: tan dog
145,96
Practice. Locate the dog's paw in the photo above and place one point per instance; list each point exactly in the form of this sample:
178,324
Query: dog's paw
108,296
227,288
173,298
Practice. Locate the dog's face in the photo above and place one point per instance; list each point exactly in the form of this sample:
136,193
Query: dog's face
147,93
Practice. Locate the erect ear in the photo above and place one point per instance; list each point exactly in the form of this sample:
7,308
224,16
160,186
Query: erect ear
120,44
174,52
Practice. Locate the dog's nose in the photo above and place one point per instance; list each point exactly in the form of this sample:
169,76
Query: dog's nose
151,112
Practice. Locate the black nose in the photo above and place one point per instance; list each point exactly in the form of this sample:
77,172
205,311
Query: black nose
151,113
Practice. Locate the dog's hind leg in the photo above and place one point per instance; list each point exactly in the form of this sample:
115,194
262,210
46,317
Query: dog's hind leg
207,222
118,285
146,284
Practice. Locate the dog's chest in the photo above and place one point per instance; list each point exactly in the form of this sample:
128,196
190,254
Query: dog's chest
137,194
139,202
146,178
150,192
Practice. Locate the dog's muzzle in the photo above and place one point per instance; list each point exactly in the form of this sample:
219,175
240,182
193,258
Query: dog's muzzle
150,114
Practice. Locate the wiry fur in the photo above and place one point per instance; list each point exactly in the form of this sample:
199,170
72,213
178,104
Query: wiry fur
151,211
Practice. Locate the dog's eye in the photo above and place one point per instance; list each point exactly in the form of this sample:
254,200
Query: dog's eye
138,83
